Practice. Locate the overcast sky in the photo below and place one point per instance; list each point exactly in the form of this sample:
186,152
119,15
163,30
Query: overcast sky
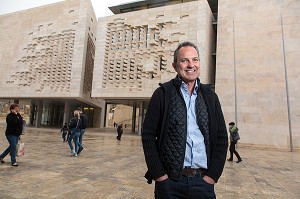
100,6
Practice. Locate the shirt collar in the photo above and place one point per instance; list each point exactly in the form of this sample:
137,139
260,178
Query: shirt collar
184,86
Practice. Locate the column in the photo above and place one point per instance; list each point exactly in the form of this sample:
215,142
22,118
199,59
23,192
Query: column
133,118
39,113
98,118
141,118
66,112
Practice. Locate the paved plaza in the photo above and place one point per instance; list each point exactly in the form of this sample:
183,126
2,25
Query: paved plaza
112,169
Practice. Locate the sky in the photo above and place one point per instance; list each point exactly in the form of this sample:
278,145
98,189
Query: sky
100,6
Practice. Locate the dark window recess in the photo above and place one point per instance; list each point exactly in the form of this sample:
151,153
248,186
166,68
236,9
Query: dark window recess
155,5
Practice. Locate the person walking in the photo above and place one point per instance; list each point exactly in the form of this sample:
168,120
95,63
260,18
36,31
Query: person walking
13,131
233,130
74,133
84,124
64,131
184,134
120,132
23,127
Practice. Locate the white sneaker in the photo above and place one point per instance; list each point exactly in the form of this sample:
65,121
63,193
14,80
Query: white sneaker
73,153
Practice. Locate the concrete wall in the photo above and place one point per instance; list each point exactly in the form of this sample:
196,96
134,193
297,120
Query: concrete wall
251,35
130,48
43,50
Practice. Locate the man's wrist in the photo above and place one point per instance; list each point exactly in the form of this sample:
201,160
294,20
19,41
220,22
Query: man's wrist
162,178
209,180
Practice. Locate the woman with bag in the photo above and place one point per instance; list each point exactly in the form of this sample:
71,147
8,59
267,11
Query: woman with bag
234,137
13,131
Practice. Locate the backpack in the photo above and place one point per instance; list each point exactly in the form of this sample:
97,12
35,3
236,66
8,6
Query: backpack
84,121
235,135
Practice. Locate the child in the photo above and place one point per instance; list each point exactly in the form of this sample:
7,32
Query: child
64,131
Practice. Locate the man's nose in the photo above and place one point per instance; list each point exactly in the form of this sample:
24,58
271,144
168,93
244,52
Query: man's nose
190,63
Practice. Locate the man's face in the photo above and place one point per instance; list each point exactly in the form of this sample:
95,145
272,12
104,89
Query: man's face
188,64
15,110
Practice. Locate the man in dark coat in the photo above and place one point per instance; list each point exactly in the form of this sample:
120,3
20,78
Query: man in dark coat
120,132
184,133
84,124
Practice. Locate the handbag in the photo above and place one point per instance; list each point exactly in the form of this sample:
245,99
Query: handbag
20,149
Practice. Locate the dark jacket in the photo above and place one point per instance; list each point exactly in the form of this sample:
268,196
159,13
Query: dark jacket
84,119
120,129
14,124
164,139
64,128
75,124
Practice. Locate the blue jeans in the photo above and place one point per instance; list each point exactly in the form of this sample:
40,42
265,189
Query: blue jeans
82,131
75,137
12,148
186,187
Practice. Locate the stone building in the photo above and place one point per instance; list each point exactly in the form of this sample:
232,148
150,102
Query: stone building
47,60
134,50
252,63
60,56
257,73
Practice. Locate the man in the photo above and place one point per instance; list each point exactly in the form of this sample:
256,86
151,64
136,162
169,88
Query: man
84,123
74,133
184,133
233,140
120,132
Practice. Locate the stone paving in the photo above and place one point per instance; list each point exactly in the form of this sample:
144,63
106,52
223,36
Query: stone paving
114,169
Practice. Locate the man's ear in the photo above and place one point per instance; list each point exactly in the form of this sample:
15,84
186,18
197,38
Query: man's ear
174,66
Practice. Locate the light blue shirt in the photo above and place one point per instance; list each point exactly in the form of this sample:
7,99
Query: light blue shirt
195,153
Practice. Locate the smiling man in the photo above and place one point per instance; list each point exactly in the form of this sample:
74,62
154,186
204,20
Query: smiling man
184,133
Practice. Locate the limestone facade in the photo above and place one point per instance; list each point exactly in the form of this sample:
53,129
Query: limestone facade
134,51
47,58
61,51
258,48
48,52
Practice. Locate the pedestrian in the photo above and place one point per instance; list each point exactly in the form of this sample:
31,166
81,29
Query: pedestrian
120,132
23,127
74,133
64,131
84,124
234,137
184,133
13,131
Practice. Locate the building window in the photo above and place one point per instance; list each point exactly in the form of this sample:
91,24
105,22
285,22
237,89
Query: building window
125,10
155,5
